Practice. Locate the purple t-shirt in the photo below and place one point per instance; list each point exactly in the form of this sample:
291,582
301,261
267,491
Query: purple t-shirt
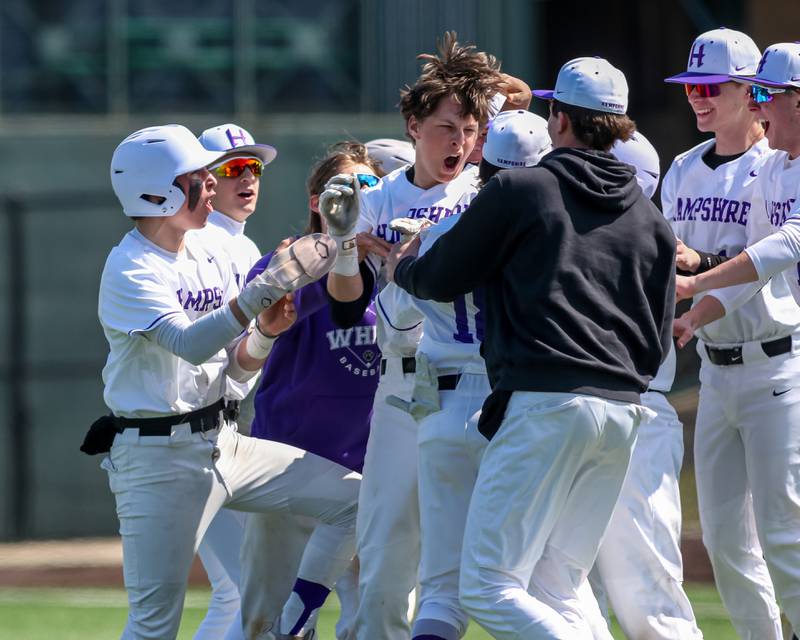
318,383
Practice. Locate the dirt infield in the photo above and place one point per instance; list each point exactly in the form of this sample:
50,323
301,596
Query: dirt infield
84,562
97,562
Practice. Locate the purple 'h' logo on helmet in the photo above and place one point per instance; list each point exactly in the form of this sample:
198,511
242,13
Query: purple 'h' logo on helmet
761,64
699,55
235,140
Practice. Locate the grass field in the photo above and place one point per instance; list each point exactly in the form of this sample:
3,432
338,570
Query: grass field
99,614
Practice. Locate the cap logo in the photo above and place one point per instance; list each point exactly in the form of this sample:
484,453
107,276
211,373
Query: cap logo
761,64
235,140
697,55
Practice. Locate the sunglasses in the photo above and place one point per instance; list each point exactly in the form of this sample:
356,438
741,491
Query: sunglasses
761,94
367,180
236,166
703,90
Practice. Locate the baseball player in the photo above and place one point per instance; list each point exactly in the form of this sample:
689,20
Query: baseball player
451,374
238,175
774,90
292,406
444,111
710,195
566,370
174,320
769,439
639,565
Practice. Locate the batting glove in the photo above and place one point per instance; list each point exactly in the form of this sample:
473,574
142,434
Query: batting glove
302,262
409,227
425,395
339,205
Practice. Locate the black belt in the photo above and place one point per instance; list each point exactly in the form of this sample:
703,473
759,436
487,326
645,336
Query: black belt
449,383
203,419
409,365
733,355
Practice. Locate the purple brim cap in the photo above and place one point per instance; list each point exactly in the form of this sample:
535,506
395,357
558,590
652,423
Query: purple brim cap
544,94
692,77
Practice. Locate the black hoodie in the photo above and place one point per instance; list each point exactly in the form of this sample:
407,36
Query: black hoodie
579,274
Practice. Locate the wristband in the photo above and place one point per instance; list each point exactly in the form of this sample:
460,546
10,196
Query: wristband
259,344
346,263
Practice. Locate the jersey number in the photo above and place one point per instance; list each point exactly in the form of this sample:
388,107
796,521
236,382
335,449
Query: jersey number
462,333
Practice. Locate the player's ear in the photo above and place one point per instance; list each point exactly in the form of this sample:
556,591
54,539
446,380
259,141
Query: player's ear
563,122
412,127
313,203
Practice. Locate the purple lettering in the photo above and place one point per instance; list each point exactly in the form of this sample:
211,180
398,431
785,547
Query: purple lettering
733,209
706,208
743,215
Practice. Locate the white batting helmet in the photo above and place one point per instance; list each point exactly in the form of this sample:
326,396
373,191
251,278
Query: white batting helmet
391,154
147,162
639,153
232,138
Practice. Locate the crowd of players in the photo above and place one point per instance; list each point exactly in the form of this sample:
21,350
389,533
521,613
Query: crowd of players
458,406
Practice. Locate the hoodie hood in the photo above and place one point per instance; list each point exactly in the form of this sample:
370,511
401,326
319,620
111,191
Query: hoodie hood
597,177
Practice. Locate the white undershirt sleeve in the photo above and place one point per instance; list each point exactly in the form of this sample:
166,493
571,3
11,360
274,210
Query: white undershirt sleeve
778,251
731,298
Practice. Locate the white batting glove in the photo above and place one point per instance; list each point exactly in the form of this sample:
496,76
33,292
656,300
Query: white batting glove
425,395
302,262
409,227
339,205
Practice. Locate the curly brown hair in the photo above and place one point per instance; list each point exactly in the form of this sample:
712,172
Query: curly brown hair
471,77
337,155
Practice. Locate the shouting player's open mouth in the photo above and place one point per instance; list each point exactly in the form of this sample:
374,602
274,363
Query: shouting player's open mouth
451,162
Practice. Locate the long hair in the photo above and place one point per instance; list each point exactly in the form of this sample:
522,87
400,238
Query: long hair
336,157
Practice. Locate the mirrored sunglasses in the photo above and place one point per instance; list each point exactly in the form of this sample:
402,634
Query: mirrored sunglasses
235,167
367,180
703,90
761,94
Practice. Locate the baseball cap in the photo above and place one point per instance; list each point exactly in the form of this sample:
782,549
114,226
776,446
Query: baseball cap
391,154
778,67
717,56
638,151
233,138
516,139
592,83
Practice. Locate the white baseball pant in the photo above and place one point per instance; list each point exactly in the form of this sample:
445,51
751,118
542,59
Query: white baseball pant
639,562
219,553
169,488
272,547
747,464
450,449
546,489
388,514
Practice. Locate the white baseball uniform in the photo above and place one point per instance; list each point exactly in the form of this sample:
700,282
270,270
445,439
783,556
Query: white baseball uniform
450,445
748,427
780,187
168,488
639,567
219,549
388,515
